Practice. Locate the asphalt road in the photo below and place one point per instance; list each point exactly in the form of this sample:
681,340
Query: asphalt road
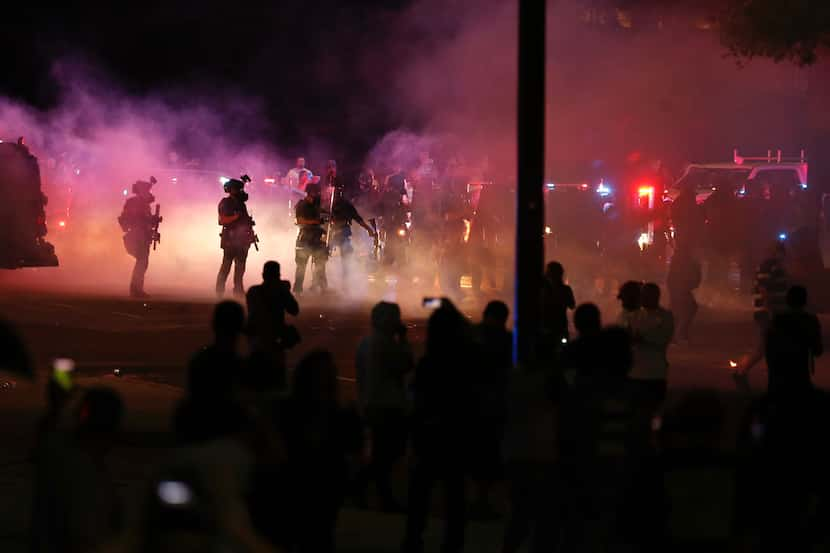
154,339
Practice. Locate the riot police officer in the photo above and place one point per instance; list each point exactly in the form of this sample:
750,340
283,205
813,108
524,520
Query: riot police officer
310,240
237,234
343,213
140,226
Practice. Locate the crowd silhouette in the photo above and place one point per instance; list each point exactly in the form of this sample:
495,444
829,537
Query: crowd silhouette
583,443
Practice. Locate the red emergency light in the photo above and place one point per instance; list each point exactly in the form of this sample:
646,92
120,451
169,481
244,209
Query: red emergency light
645,190
645,196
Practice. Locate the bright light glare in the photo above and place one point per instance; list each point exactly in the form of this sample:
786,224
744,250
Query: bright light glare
223,180
551,186
642,241
547,230
645,191
63,365
603,189
733,364
62,223
402,232
174,493
124,192
782,236
804,186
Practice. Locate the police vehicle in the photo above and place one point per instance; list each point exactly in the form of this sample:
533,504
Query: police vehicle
771,175
769,189
23,233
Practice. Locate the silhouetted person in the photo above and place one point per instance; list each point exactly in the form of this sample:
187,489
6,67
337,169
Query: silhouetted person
770,298
782,486
322,442
532,461
684,277
442,414
139,224
491,378
557,298
269,336
76,503
383,361
14,357
652,335
194,506
580,357
793,341
601,447
212,378
693,457
630,296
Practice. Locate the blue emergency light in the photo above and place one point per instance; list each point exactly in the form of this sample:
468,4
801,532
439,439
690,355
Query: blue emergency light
782,236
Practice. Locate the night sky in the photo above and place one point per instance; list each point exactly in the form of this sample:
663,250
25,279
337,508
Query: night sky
317,65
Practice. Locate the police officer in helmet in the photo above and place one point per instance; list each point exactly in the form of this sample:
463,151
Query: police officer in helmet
343,213
237,235
140,227
310,240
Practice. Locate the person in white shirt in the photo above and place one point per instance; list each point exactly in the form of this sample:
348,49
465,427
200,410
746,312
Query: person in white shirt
652,333
298,177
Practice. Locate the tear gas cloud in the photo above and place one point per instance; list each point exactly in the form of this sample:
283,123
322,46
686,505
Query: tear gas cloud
447,71
100,140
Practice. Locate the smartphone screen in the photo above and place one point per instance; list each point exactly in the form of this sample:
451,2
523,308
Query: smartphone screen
432,303
174,493
63,365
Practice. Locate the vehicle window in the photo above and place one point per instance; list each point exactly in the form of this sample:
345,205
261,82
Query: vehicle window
774,184
702,178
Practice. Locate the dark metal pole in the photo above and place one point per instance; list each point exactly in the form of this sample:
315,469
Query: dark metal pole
530,179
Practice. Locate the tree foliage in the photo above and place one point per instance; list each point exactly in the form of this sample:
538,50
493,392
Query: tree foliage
784,30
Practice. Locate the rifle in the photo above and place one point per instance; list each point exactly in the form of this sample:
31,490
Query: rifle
376,246
331,209
156,221
254,237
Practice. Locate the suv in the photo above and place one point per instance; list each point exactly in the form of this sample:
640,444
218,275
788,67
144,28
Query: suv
22,239
779,176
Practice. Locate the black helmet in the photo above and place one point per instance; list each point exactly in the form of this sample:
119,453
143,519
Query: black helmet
143,186
238,184
234,184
